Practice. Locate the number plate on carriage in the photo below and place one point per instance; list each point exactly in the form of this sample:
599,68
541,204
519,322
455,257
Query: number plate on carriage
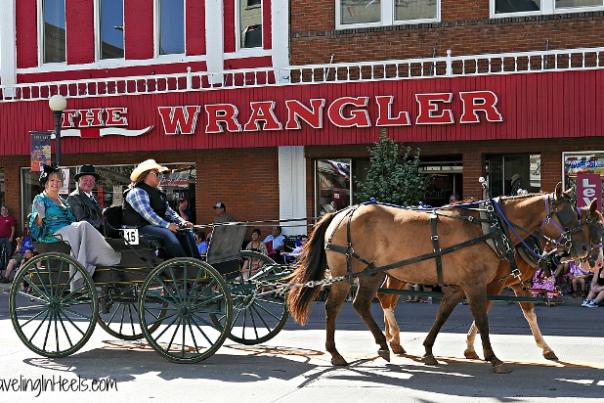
130,235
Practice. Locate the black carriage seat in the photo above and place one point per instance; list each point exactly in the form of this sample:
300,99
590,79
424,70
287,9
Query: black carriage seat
61,247
224,250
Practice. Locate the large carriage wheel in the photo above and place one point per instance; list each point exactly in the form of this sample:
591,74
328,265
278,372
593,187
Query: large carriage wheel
259,302
122,317
50,319
188,291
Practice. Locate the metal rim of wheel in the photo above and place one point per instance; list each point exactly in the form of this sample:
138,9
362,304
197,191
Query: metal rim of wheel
260,311
49,318
188,290
122,320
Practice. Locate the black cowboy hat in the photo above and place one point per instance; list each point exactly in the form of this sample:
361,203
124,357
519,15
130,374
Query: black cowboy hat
86,170
45,172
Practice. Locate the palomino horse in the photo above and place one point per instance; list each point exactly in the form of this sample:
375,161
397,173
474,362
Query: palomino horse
504,280
375,236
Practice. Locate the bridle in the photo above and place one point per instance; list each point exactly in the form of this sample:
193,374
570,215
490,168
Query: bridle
563,221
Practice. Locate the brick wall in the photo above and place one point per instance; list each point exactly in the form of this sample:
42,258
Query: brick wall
465,28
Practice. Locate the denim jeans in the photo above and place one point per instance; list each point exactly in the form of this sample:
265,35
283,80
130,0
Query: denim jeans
180,244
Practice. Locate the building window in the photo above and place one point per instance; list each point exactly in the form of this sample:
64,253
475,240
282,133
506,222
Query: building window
178,184
360,13
111,26
250,24
510,8
171,27
510,173
415,10
53,17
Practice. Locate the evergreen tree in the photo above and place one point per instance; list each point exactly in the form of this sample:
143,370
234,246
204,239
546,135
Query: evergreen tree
391,178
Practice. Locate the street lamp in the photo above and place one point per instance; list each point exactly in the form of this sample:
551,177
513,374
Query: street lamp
57,104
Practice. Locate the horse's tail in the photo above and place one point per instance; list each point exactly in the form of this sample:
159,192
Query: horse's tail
311,266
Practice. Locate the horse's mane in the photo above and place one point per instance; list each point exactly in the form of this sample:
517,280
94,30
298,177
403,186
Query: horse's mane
523,196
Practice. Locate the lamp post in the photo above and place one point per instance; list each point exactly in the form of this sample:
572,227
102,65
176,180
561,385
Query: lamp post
57,104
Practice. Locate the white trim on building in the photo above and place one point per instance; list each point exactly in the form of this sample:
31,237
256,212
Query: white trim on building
292,189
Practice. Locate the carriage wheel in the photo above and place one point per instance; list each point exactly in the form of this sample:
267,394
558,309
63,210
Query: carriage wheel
260,309
121,319
188,291
50,319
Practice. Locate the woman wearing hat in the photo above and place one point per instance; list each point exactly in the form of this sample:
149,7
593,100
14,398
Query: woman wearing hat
146,207
51,221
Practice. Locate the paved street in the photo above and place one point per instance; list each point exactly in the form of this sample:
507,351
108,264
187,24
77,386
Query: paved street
293,368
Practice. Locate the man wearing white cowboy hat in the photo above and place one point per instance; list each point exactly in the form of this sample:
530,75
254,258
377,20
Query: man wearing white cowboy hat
146,207
82,201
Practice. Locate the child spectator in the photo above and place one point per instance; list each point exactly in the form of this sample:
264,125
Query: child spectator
202,243
578,279
294,255
596,292
15,263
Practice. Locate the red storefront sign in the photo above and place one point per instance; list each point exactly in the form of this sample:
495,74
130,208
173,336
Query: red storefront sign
589,188
512,107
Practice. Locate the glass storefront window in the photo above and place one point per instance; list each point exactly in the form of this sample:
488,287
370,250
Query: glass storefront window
171,27
111,29
250,24
53,15
332,184
178,184
576,162
513,172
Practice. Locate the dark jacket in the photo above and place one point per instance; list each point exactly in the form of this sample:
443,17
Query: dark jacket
85,209
157,199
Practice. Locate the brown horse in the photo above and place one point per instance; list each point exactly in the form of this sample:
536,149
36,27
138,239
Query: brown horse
503,280
391,234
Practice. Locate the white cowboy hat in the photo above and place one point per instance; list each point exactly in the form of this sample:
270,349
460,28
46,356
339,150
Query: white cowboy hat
145,166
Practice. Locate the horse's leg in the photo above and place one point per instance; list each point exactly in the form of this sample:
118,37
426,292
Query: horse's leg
388,303
492,289
368,286
528,309
477,298
335,299
451,297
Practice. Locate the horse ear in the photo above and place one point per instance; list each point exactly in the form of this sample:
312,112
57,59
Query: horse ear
593,208
558,191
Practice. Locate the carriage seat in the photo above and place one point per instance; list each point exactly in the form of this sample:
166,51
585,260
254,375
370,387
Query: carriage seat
61,247
113,236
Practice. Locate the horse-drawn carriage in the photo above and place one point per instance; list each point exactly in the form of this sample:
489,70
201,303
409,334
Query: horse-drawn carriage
184,307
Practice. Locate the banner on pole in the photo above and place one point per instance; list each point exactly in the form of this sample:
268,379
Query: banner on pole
40,150
589,188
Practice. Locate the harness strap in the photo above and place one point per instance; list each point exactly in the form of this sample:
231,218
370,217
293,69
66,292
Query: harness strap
436,248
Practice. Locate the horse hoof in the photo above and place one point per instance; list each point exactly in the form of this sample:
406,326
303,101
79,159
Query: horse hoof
471,355
339,362
429,360
385,354
397,349
502,368
550,355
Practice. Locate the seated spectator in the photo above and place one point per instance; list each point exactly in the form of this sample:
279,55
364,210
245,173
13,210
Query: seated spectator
596,292
295,254
275,243
15,263
544,284
578,279
251,266
202,243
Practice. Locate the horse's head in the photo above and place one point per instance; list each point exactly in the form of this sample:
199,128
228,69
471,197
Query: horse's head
563,226
593,221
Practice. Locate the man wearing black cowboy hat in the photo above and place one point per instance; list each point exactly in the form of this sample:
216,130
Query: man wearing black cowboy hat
82,201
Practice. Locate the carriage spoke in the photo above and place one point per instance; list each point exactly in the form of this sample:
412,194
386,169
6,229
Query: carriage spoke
29,308
162,319
47,331
201,330
184,332
244,324
175,285
77,314
113,315
130,307
69,280
209,285
41,281
65,329
174,334
170,290
254,322
33,318
57,332
122,318
40,295
39,326
261,318
267,311
167,327
49,280
193,336
72,322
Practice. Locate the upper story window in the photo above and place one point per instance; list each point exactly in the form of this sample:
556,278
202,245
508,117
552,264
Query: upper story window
53,41
512,8
250,23
363,13
171,27
111,27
